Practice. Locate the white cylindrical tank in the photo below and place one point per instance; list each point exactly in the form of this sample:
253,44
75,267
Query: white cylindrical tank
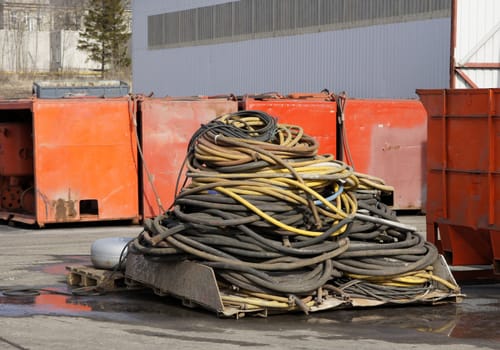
105,253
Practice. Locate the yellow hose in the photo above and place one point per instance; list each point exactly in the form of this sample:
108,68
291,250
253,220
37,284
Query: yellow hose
260,303
411,278
271,219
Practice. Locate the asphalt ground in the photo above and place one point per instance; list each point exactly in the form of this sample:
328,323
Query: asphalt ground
36,259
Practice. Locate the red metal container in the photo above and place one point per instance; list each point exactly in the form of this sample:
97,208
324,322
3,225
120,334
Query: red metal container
463,178
84,161
167,126
386,138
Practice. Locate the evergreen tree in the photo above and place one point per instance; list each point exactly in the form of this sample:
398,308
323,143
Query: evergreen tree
105,34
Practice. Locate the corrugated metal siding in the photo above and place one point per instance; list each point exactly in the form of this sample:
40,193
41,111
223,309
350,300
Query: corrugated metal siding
254,19
478,40
161,6
390,60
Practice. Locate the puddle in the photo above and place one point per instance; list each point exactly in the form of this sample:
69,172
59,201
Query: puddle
114,306
477,317
459,321
22,303
59,300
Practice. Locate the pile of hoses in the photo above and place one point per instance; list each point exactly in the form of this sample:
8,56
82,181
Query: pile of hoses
283,226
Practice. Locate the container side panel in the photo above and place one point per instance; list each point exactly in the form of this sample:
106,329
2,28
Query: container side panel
387,139
465,246
467,199
85,160
467,143
462,103
167,127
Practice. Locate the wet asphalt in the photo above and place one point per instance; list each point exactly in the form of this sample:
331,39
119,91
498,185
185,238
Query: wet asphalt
52,318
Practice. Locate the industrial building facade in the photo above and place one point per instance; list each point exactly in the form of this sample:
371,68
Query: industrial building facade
371,49
253,19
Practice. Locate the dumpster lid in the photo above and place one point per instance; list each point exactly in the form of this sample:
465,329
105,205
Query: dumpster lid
75,88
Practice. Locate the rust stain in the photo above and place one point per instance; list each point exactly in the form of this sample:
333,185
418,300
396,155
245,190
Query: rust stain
64,209
389,147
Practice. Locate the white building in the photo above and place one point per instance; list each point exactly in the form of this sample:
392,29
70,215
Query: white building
475,41
42,36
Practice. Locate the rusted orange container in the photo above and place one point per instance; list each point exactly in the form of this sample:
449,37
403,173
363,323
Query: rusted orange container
463,178
167,125
385,138
84,161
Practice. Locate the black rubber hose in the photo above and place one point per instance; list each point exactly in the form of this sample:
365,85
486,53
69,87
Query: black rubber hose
411,241
296,285
199,218
201,253
383,252
389,294
294,249
202,202
377,208
424,261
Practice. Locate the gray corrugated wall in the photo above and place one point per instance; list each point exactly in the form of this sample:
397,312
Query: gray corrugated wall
383,61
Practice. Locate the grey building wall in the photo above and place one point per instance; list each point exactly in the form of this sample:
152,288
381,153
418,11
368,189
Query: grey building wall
386,60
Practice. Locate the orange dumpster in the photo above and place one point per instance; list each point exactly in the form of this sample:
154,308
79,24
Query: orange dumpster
463,199
83,158
384,138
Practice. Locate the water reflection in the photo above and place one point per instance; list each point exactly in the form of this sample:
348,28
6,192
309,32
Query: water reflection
56,300
17,302
476,317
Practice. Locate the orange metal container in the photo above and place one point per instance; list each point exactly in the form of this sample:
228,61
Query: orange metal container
167,126
386,138
85,161
463,179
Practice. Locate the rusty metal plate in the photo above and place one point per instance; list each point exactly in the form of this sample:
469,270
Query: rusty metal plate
195,284
187,280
